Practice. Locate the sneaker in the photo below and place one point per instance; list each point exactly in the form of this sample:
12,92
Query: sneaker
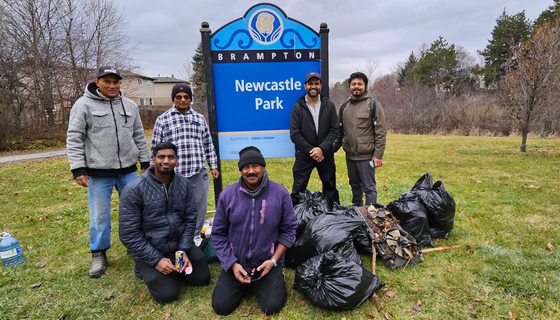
98,264
197,240
136,271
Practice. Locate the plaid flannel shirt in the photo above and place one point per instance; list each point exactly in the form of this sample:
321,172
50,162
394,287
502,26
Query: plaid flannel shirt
190,133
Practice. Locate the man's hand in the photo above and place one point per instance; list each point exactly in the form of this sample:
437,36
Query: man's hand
240,273
265,267
377,162
186,262
83,180
316,154
215,173
165,266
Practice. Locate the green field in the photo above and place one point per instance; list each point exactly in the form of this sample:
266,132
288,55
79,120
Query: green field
506,224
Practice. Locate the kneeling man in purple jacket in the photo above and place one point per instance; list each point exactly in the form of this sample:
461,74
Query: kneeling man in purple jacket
253,227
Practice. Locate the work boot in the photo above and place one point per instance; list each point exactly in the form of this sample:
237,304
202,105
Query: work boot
98,264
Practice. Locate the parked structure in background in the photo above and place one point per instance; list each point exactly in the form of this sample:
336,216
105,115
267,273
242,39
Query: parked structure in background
149,91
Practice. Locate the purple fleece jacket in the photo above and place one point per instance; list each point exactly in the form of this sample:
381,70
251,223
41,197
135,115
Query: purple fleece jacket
246,229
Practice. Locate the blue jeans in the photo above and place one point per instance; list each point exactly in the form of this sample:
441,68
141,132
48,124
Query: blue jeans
99,196
200,184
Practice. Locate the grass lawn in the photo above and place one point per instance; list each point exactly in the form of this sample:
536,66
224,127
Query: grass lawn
506,224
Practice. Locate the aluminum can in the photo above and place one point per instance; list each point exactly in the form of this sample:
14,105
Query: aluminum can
179,260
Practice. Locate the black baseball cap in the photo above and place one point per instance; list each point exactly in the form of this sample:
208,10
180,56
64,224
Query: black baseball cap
313,74
105,70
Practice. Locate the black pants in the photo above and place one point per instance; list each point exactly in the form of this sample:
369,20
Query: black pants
327,173
270,292
165,288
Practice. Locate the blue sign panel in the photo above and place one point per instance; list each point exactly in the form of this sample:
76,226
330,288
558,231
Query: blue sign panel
259,63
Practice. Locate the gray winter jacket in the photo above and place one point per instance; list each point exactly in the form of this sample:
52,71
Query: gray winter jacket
105,136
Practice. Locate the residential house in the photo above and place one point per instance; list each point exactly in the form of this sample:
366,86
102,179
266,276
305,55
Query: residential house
163,86
139,88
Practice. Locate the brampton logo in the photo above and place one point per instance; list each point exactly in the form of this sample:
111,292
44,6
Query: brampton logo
265,26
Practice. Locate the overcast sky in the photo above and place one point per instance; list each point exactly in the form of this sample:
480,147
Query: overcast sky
362,33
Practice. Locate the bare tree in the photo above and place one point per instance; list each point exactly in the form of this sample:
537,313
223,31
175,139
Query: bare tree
533,77
48,51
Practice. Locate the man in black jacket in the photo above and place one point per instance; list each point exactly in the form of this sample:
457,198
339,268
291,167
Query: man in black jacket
313,129
157,217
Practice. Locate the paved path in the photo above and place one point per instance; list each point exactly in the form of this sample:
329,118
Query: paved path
17,157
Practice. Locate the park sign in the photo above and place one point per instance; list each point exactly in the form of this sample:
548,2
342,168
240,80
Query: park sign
255,69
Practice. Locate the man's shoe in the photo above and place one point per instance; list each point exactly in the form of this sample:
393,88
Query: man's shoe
98,264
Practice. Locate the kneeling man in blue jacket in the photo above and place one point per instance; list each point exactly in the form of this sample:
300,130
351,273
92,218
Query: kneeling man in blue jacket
157,217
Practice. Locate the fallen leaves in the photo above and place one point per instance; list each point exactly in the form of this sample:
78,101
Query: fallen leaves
36,285
550,246
417,306
247,313
390,294
41,264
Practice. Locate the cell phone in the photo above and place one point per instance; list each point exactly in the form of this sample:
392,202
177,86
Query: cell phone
371,164
256,275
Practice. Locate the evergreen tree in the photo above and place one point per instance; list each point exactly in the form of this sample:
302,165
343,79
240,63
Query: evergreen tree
549,14
405,72
510,31
197,79
437,65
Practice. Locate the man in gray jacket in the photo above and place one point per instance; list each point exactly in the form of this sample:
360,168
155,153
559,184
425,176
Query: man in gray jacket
362,136
105,141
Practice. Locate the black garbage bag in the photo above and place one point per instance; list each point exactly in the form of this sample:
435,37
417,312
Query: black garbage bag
329,231
411,212
439,204
363,235
331,282
311,205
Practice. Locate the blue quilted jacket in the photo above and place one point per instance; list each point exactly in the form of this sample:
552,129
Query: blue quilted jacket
155,221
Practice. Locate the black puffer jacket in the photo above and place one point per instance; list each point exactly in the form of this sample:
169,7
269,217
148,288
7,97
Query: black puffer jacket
302,128
155,221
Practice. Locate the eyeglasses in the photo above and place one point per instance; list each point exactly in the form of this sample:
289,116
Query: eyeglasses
178,97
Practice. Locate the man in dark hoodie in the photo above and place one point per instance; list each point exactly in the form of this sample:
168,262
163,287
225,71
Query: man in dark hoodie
105,141
313,130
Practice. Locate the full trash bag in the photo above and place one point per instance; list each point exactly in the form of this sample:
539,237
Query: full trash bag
363,236
331,282
411,212
439,204
311,205
329,231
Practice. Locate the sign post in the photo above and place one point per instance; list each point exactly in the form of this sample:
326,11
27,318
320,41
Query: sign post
255,68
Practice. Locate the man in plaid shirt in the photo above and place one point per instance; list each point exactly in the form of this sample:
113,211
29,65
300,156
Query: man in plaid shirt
187,129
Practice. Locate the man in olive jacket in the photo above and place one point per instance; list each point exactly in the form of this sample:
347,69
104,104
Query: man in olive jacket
362,139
